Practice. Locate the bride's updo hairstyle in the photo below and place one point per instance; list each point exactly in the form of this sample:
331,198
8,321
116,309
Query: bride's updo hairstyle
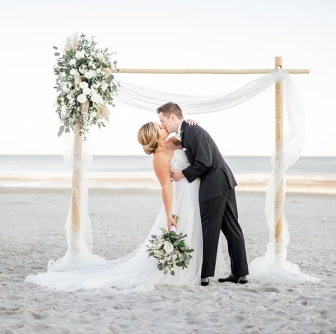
148,137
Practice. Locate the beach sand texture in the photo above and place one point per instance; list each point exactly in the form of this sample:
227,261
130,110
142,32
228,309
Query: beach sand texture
32,232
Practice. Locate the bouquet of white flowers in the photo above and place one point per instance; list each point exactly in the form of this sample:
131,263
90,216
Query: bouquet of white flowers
84,84
170,249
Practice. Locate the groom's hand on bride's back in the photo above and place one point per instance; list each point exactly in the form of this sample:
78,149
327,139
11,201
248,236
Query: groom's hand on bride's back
176,175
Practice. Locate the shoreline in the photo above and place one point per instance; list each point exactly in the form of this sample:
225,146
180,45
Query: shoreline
147,180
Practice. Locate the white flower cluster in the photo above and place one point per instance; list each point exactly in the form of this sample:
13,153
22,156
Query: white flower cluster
170,249
85,84
165,253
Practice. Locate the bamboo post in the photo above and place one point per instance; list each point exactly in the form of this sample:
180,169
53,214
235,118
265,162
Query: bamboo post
76,188
279,150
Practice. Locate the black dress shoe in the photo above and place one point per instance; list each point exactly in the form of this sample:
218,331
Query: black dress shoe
205,281
233,279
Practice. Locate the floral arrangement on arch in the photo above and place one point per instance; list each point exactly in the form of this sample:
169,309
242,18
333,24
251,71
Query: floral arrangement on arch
85,84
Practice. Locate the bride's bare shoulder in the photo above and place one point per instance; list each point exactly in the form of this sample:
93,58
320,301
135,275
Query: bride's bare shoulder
161,164
162,158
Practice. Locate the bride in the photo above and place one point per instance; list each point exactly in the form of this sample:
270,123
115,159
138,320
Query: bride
136,271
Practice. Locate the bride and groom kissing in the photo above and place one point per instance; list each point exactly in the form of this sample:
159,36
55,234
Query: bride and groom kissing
199,187
216,198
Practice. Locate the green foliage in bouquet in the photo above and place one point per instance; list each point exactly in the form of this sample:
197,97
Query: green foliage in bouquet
170,249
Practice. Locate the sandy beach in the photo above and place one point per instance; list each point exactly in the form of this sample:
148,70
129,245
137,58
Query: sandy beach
32,232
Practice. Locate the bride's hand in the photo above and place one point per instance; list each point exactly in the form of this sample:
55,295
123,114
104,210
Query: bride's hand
191,122
171,222
176,175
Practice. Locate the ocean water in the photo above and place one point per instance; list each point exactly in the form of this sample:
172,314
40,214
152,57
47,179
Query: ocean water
323,167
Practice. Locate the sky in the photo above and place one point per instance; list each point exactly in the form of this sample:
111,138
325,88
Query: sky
236,34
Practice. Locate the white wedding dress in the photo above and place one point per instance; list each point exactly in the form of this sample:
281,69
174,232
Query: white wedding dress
136,271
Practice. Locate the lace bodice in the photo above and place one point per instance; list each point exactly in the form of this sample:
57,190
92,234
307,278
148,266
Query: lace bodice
179,160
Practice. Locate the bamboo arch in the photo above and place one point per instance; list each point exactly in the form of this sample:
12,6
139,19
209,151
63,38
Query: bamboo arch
76,216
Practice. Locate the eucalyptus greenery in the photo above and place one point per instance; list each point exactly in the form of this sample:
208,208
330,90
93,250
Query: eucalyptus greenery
170,249
84,84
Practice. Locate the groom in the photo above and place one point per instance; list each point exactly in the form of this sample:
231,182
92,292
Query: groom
217,197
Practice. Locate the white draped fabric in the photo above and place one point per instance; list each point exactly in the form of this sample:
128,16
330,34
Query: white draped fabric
140,97
77,156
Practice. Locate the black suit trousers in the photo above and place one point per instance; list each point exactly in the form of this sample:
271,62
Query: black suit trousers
219,214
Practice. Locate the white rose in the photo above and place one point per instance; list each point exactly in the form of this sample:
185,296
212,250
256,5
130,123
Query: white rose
96,98
73,72
79,54
168,247
98,71
104,86
72,62
83,85
86,91
88,75
93,91
91,64
81,98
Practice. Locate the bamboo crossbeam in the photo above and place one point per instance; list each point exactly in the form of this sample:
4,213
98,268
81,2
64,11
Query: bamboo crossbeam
202,71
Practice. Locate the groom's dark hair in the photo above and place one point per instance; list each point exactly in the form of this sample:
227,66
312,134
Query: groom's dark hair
170,108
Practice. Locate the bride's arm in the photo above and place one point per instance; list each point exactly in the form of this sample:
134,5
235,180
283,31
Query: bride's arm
162,171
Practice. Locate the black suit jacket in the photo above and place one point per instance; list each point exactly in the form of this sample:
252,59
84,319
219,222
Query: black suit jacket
206,162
